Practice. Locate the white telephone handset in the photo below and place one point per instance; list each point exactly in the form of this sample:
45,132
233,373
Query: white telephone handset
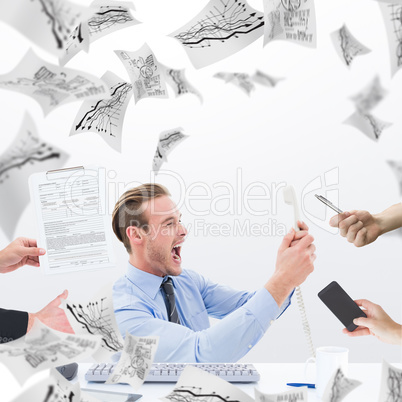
289,196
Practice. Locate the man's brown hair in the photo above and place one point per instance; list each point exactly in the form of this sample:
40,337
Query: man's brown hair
128,209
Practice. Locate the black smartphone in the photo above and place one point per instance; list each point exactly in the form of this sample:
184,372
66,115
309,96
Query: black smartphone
341,304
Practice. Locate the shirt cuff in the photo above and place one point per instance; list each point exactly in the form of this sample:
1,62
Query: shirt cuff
286,304
264,308
13,325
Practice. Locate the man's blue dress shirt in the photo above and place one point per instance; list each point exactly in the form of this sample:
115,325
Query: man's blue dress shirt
244,316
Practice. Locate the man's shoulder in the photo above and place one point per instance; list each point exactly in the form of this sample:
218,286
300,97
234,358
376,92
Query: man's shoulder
120,285
120,281
189,273
191,277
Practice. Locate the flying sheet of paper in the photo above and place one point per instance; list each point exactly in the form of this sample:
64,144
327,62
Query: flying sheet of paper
290,20
146,73
110,16
393,25
158,161
65,391
197,385
73,226
244,82
338,387
296,395
179,83
168,140
241,80
221,29
135,360
48,390
227,77
51,85
105,116
27,154
48,23
370,96
367,124
262,78
106,17
96,317
396,166
54,388
43,348
347,46
77,41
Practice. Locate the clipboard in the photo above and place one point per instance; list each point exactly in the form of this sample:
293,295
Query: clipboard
72,221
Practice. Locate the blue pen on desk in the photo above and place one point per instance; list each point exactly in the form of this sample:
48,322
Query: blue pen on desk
300,384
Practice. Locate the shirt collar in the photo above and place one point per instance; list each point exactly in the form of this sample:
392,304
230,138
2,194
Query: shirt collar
148,283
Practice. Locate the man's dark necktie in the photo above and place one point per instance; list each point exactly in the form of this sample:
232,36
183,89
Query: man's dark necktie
167,287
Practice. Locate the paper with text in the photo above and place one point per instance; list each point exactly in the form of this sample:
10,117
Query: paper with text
240,80
221,29
290,20
48,390
27,154
197,385
338,387
51,85
347,46
105,116
262,78
393,25
47,23
43,348
135,360
146,73
178,81
370,96
168,140
54,388
77,41
106,17
95,316
73,226
368,124
296,395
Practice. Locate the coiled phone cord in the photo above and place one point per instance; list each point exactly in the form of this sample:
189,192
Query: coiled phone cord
305,323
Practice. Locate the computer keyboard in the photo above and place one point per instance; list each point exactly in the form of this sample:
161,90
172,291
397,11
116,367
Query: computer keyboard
170,372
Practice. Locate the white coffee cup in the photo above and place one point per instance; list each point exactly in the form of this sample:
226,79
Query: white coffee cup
327,360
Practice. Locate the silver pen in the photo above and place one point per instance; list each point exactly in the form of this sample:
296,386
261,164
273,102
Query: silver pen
329,203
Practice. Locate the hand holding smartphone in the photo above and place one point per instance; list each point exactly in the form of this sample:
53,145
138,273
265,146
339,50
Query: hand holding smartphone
341,304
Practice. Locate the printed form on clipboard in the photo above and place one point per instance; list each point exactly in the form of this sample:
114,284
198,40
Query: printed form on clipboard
71,216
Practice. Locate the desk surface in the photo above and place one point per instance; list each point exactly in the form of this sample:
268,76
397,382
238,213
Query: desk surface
274,377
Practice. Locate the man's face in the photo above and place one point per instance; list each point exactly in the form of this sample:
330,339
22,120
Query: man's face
162,244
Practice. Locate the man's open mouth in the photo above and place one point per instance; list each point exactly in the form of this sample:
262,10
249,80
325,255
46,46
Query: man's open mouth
176,252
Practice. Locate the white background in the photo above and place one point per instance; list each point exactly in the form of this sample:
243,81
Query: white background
290,134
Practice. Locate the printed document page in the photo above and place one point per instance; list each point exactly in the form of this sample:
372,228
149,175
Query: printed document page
72,221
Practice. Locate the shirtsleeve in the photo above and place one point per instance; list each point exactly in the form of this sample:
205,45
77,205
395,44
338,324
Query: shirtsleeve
221,300
226,341
13,325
